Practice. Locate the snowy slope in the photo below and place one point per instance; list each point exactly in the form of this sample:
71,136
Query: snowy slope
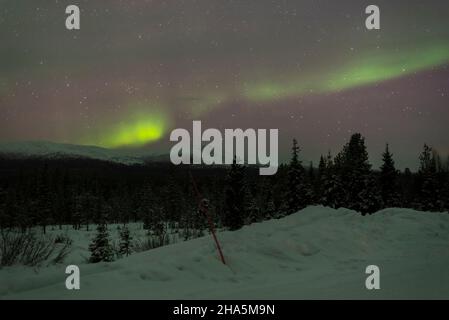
316,253
55,150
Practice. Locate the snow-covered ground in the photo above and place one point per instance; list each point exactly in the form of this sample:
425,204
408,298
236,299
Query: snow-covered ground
316,253
61,150
81,239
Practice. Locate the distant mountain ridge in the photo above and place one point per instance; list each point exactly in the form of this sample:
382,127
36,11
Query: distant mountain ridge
51,150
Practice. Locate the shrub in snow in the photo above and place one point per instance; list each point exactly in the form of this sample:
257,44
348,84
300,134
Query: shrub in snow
62,238
27,248
150,242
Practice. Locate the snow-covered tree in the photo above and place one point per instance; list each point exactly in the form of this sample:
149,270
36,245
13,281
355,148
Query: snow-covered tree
199,219
353,170
125,245
252,211
370,196
100,247
330,186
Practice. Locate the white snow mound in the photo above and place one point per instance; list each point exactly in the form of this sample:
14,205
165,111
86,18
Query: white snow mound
316,253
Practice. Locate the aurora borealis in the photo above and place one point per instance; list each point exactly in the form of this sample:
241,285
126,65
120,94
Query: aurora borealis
373,69
138,129
138,69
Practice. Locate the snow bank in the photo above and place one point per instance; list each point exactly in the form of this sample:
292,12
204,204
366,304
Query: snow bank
316,253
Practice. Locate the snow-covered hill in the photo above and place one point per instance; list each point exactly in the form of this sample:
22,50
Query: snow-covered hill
58,150
316,253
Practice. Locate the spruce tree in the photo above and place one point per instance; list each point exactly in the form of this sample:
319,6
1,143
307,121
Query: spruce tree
266,203
149,210
370,196
100,247
429,189
4,219
125,246
270,210
297,195
445,193
43,205
234,197
252,212
388,180
200,217
353,174
186,222
173,198
408,189
148,217
330,183
322,166
312,184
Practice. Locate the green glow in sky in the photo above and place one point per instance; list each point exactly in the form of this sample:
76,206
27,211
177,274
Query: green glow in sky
136,133
371,69
206,103
137,130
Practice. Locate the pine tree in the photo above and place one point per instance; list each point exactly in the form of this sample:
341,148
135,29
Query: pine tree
148,209
147,218
445,193
173,199
252,212
429,190
270,210
199,218
43,203
125,241
408,189
100,248
234,199
322,166
84,208
4,219
312,184
329,186
353,170
297,195
266,204
186,223
370,196
389,180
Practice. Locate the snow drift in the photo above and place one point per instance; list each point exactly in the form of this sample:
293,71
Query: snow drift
316,253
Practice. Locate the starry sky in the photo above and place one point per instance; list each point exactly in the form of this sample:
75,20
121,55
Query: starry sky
138,69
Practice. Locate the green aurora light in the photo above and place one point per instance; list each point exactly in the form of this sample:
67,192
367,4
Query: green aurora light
369,70
140,129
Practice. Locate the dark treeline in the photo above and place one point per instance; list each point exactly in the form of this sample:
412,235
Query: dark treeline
80,192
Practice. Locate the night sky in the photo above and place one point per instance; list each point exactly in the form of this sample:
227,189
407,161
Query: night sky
138,69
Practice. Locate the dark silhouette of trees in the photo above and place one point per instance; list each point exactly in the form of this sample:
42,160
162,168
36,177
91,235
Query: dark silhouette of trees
388,180
37,192
234,193
298,191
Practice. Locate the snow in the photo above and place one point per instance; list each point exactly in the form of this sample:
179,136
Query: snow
316,253
61,150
